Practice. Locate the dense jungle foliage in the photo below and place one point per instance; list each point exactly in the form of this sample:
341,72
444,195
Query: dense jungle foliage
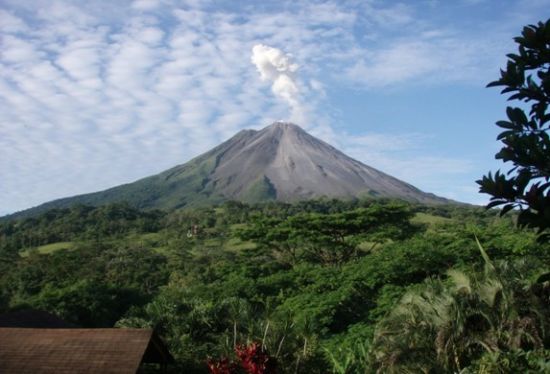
321,286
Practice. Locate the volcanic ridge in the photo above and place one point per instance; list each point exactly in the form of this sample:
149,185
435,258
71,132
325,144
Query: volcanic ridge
280,162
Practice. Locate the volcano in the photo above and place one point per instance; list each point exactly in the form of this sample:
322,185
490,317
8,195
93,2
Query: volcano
280,162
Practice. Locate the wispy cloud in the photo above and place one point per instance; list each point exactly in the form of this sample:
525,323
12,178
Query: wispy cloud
399,156
95,94
87,104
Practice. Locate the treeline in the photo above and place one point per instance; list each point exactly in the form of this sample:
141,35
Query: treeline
79,222
321,286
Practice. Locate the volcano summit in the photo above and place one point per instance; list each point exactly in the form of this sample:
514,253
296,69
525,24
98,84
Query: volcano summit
280,162
288,164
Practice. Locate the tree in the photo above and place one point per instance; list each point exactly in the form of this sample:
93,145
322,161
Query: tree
332,238
86,303
525,137
472,320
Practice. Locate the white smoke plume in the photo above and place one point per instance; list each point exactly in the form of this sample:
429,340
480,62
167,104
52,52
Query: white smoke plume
276,66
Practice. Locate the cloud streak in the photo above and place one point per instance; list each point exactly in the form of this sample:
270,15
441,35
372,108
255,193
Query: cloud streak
102,93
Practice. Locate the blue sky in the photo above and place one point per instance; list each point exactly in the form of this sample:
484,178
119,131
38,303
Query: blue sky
99,93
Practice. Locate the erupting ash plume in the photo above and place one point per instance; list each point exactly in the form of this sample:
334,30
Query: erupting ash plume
276,66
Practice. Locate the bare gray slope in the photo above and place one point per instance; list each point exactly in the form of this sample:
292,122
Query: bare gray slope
300,166
281,162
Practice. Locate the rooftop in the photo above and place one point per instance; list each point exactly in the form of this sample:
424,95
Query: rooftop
30,350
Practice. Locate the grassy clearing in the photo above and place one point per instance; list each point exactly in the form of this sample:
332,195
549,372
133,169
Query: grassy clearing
237,226
368,246
153,240
429,219
48,248
236,245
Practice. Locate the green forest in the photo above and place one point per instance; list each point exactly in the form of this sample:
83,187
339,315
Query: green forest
317,286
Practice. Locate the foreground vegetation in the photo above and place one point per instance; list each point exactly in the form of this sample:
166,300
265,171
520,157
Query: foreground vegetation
320,286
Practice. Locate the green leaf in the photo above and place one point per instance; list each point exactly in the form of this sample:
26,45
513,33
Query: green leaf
495,203
506,209
505,134
505,124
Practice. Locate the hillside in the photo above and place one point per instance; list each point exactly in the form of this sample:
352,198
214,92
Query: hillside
339,278
280,162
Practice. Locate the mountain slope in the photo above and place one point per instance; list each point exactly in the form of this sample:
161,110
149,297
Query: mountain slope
279,162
